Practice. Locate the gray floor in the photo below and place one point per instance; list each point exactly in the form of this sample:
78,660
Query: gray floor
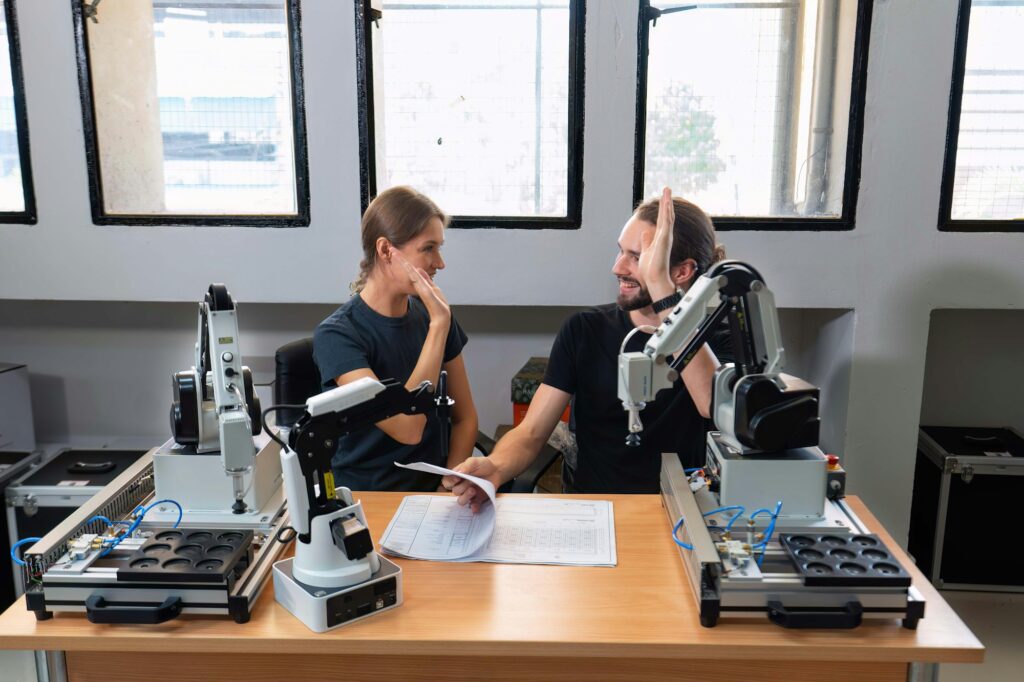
996,619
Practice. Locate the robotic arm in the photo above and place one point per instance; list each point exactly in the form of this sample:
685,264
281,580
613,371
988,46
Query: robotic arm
334,547
215,406
755,406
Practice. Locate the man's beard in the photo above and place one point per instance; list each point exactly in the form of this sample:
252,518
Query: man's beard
641,299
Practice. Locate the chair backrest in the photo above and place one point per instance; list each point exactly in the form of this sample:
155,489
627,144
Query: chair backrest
296,378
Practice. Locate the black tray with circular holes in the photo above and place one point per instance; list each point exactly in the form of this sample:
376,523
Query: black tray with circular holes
825,560
194,555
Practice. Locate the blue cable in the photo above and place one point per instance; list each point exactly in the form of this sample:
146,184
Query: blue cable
771,526
140,513
763,545
740,510
99,517
675,529
16,545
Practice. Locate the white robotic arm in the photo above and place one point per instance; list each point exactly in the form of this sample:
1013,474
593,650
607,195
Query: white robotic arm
334,547
215,406
754,404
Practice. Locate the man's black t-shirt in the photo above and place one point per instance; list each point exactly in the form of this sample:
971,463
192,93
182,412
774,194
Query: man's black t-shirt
584,362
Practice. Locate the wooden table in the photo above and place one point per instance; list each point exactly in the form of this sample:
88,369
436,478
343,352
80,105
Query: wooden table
493,621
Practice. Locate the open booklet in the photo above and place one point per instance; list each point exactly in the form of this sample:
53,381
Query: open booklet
521,530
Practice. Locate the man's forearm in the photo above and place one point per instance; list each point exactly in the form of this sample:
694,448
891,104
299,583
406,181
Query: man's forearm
515,452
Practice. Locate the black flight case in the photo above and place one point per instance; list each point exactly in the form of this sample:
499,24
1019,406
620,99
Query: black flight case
968,491
47,494
12,465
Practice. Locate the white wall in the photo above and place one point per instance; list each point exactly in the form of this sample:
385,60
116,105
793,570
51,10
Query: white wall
101,371
975,369
892,270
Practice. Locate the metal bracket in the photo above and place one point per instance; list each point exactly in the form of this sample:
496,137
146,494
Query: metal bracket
952,466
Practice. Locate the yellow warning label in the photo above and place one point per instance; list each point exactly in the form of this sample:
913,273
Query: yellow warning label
329,483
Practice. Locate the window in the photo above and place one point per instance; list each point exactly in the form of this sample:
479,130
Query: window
191,111
983,175
17,202
477,104
753,109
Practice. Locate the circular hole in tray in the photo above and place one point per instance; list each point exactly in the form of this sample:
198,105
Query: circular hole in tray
886,569
800,541
875,555
220,550
833,540
155,548
809,554
178,562
865,541
144,562
842,554
818,569
853,568
190,550
230,536
200,536
209,565
169,535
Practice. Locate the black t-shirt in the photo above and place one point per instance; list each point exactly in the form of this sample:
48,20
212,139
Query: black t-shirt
355,336
584,362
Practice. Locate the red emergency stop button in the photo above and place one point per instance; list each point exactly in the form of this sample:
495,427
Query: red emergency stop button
833,461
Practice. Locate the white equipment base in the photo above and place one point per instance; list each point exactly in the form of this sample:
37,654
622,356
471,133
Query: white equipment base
323,609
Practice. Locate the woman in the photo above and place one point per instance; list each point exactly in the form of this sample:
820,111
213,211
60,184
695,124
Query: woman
398,325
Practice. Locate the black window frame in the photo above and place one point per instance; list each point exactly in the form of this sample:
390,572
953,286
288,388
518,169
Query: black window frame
28,216
365,15
99,217
946,221
855,134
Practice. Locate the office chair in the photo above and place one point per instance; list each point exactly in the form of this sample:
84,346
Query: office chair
296,378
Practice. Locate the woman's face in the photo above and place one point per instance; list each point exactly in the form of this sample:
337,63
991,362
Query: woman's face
424,251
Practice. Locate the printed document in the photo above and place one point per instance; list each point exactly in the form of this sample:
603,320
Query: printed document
524,530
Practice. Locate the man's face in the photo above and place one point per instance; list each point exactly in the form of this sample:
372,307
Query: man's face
633,293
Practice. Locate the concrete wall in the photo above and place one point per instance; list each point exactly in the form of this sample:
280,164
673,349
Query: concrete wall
892,270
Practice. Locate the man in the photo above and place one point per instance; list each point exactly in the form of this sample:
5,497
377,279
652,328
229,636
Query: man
663,248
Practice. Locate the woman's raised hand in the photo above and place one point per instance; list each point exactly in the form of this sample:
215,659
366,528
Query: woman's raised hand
428,292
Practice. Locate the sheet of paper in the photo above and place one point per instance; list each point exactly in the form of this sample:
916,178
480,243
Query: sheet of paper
529,530
438,528
538,530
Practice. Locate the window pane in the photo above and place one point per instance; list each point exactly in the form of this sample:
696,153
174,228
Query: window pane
748,106
471,104
989,179
193,105
12,191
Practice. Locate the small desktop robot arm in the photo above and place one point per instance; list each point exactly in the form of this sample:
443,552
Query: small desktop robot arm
755,406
